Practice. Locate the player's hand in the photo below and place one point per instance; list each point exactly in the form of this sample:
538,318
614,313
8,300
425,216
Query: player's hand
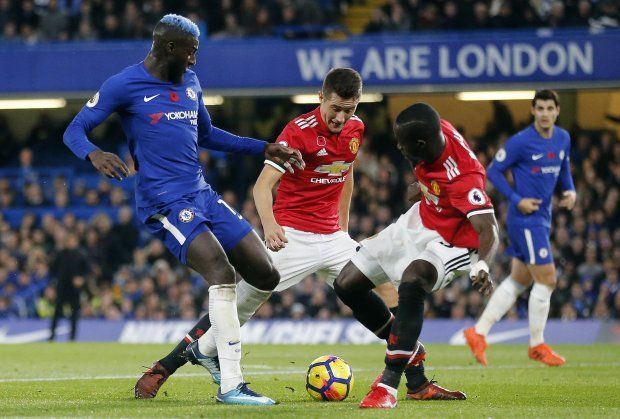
275,239
284,156
413,192
108,164
480,278
529,205
568,199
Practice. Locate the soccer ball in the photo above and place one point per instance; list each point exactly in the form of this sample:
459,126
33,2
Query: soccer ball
329,378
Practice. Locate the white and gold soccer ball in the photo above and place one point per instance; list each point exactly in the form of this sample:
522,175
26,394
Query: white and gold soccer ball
329,378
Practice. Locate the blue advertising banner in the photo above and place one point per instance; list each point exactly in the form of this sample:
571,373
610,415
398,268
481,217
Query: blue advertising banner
304,331
386,62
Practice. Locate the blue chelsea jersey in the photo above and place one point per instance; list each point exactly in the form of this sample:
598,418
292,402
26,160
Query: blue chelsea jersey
536,164
165,123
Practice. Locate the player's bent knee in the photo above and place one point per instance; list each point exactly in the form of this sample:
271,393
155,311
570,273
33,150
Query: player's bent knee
270,278
351,280
421,273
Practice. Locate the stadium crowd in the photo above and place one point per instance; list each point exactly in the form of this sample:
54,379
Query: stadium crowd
132,275
31,21
414,15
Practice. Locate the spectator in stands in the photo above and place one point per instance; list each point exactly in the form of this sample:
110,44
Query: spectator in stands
54,24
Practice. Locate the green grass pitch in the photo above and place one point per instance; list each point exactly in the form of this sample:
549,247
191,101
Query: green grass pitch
96,380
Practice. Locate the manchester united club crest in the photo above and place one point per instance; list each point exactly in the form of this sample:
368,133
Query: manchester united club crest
435,187
354,145
186,215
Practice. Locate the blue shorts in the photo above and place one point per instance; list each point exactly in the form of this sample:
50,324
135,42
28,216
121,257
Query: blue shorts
179,222
530,244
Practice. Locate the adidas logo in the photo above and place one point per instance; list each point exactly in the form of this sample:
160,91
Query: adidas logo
322,152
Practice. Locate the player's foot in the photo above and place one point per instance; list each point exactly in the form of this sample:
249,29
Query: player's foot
151,381
418,357
378,398
211,363
243,395
477,343
431,391
546,355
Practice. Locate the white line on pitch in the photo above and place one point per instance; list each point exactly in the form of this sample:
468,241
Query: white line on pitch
291,371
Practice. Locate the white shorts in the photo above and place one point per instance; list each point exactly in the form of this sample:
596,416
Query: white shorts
385,256
307,253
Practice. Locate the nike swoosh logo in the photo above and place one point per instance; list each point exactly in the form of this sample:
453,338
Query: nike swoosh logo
537,156
236,342
149,98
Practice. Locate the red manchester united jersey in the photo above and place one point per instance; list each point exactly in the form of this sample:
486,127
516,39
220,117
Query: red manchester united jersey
308,199
453,190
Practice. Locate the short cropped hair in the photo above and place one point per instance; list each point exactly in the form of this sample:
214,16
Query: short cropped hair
546,94
182,23
420,121
345,82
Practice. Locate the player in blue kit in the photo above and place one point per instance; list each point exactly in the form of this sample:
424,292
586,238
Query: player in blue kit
537,156
162,112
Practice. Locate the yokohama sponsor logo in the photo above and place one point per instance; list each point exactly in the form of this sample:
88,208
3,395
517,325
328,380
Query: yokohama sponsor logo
326,181
181,115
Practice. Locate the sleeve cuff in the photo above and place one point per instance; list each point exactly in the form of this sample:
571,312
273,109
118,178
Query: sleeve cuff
275,166
515,198
89,148
481,211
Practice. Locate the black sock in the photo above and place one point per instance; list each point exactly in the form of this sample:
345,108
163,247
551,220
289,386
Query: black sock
405,332
368,308
415,373
174,360
415,376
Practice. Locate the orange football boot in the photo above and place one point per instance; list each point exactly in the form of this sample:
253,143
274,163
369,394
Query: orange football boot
477,343
431,391
546,355
151,381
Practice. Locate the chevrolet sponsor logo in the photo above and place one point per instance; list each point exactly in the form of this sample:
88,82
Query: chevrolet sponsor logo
336,168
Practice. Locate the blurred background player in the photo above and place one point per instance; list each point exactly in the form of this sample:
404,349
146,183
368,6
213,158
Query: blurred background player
537,157
70,268
160,105
427,247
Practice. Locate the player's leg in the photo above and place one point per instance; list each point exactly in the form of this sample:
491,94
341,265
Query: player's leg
75,314
260,277
291,265
355,289
417,280
538,312
60,301
389,295
506,294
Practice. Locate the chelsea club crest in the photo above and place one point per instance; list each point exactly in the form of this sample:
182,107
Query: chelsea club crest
186,215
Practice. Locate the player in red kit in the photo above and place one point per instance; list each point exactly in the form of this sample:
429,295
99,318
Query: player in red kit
451,230
306,229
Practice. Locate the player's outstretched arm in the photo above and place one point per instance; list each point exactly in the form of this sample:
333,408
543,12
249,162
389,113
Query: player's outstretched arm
214,138
488,241
105,102
275,239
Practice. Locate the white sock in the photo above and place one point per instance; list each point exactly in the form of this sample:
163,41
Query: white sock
391,390
225,326
538,311
249,299
502,299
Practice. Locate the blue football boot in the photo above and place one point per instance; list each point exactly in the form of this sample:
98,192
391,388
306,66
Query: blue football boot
211,363
244,396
